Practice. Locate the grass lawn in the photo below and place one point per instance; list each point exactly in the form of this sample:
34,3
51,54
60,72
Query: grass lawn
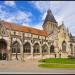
57,63
46,65
58,60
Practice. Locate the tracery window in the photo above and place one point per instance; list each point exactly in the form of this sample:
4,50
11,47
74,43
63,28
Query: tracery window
27,48
63,46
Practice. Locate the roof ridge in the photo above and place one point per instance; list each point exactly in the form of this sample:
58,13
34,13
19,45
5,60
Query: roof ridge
23,25
26,29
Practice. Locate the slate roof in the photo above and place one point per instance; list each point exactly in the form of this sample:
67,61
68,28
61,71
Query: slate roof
49,17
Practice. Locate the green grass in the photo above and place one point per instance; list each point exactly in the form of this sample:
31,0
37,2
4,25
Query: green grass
58,60
57,65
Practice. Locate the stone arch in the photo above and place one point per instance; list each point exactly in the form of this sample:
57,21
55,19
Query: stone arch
52,49
25,41
37,42
18,40
3,44
44,49
71,47
45,43
17,47
3,49
27,47
64,46
36,47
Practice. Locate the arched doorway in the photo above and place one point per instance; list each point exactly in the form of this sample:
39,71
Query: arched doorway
52,49
16,48
27,48
44,49
36,48
71,46
3,49
63,46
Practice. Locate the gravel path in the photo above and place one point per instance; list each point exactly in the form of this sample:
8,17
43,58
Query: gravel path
29,67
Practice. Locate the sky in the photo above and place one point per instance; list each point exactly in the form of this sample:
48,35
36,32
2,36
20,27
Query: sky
33,13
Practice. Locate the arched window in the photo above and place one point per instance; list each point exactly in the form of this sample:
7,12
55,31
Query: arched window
71,46
63,46
36,48
3,49
44,49
3,44
27,48
15,47
52,49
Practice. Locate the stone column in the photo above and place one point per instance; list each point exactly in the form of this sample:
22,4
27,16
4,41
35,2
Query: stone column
32,52
41,52
49,51
8,53
22,55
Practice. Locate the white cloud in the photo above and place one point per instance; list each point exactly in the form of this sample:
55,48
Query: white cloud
41,5
44,15
20,17
24,16
62,10
10,3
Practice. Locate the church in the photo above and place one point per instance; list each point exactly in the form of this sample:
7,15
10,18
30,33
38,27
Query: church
19,42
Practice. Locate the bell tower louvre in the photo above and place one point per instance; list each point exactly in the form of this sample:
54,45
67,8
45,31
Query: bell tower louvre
49,23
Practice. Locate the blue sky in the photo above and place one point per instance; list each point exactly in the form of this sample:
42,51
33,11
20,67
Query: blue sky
33,13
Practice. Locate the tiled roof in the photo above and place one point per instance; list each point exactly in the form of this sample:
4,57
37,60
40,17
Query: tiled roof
15,27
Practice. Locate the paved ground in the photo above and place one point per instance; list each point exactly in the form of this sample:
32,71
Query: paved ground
29,67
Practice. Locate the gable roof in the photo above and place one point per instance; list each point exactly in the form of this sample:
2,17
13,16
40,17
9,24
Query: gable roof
26,29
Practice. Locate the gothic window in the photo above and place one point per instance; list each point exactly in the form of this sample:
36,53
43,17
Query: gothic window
63,46
27,48
44,49
71,46
36,48
16,47
13,50
52,49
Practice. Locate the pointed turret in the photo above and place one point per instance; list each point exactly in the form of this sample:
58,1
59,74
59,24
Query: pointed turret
50,24
49,17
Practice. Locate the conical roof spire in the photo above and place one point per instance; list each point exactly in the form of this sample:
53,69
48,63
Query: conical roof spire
49,17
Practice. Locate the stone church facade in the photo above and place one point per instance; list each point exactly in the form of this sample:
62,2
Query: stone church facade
21,42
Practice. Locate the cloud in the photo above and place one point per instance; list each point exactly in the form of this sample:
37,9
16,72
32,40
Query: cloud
10,3
44,16
19,17
62,10
23,16
41,5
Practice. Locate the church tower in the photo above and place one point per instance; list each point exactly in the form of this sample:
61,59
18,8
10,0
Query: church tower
50,23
